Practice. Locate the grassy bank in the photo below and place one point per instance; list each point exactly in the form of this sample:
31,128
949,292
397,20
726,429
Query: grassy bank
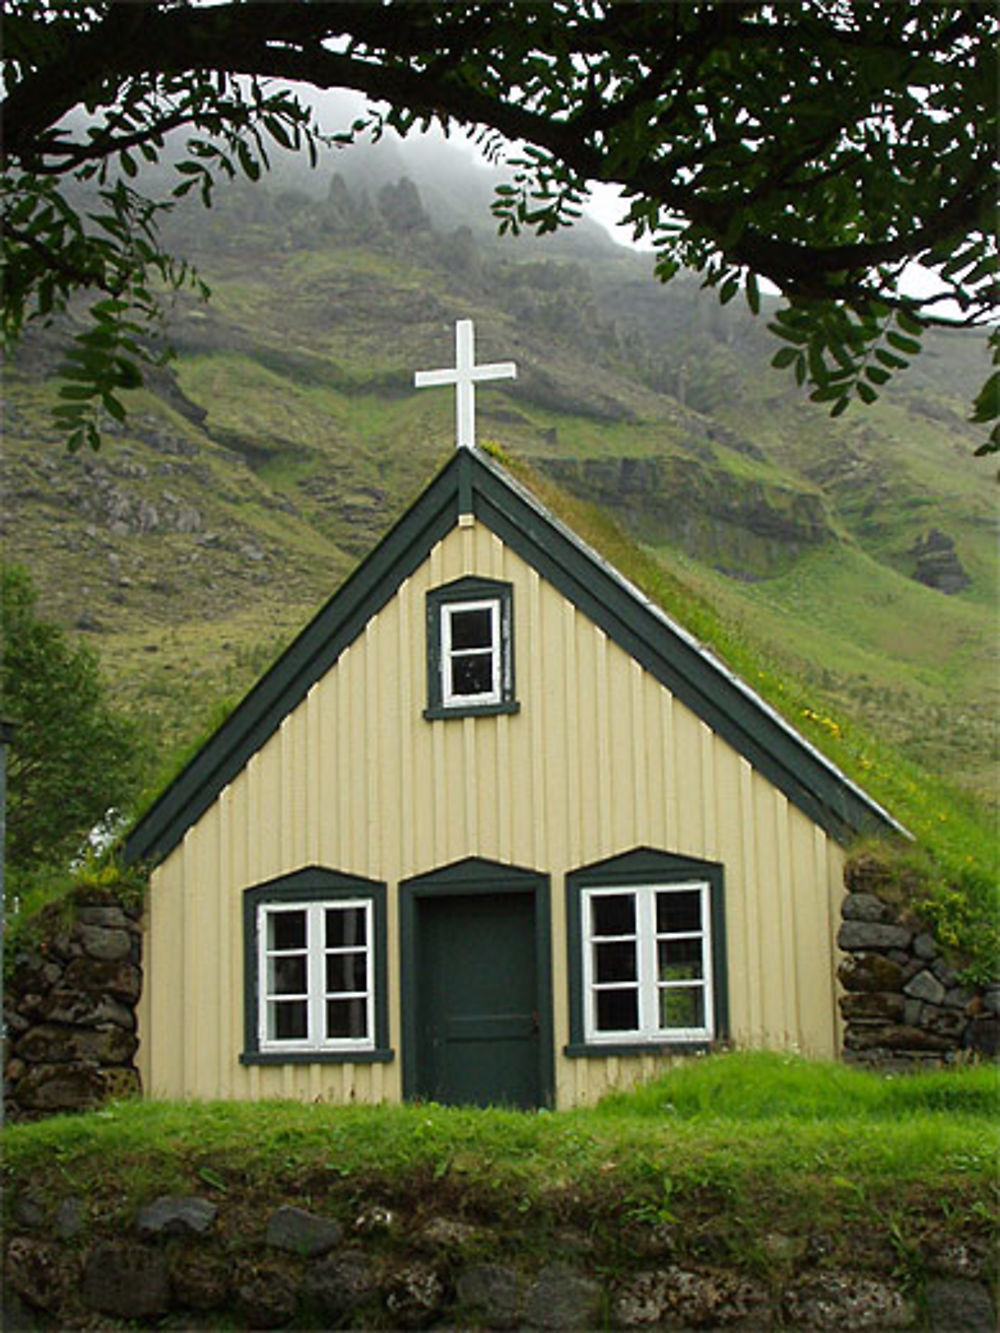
722,1155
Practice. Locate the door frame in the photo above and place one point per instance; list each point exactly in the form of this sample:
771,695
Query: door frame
470,877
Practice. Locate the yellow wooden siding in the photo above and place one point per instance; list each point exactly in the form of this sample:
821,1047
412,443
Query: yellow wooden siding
600,759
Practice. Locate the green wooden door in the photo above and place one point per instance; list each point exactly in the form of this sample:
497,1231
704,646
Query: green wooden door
477,996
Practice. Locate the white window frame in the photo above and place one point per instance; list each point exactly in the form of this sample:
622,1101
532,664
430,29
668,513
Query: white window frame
647,983
449,698
316,994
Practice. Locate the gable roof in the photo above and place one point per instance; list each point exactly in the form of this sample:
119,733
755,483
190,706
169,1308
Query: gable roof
473,483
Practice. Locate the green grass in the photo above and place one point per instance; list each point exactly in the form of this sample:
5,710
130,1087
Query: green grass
761,1086
736,1146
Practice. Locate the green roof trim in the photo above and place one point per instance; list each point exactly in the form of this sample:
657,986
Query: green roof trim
471,480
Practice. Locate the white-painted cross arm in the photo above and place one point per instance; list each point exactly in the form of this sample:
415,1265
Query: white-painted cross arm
465,375
427,379
499,370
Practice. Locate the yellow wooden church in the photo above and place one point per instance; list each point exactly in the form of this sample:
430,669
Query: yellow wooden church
494,829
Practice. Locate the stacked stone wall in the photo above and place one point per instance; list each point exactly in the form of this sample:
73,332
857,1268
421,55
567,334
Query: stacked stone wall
69,1010
904,1003
192,1262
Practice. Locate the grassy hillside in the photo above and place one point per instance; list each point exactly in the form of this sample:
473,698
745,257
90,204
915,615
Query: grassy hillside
250,479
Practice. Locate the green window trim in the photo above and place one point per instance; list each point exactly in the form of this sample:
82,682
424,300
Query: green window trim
645,869
305,889
493,602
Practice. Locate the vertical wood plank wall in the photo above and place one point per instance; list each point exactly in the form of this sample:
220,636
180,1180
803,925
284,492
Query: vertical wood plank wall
600,759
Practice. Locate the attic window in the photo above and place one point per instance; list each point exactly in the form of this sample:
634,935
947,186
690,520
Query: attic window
470,652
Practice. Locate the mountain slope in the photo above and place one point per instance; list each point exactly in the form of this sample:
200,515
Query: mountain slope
250,478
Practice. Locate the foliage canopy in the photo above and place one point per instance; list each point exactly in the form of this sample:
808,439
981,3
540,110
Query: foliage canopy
823,146
74,758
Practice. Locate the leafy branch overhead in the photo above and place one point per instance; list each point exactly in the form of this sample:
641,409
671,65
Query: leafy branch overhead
822,146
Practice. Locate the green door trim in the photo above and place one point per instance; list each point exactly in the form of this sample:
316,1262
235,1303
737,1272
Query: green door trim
473,876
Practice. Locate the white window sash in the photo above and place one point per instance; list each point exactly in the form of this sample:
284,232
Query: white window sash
317,995
646,939
495,694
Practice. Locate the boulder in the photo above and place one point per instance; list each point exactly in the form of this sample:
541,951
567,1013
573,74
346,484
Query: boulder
561,1297
704,1298
60,1087
265,1298
867,874
873,935
199,1281
105,943
493,1292
175,1215
127,1281
864,907
448,1233
119,1082
870,972
415,1296
983,1035
340,1285
71,1215
873,1005
944,1022
839,1301
108,914
121,979
299,1232
925,986
81,1009
48,1044
39,1272
956,1305
895,1037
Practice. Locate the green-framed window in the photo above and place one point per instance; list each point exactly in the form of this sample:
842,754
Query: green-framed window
646,954
315,967
470,649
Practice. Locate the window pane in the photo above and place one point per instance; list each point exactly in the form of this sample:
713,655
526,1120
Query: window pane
472,674
613,914
287,976
472,629
345,926
679,960
617,1010
287,1020
678,911
346,1018
286,930
346,972
614,962
682,1007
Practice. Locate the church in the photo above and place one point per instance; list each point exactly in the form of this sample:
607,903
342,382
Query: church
494,829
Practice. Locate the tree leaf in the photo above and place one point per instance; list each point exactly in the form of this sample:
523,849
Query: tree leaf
987,402
784,356
753,293
901,343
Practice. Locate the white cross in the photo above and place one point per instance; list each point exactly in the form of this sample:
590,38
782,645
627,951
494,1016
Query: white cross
465,376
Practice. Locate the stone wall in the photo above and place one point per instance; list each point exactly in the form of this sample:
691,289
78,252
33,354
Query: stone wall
904,1004
69,1008
197,1263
